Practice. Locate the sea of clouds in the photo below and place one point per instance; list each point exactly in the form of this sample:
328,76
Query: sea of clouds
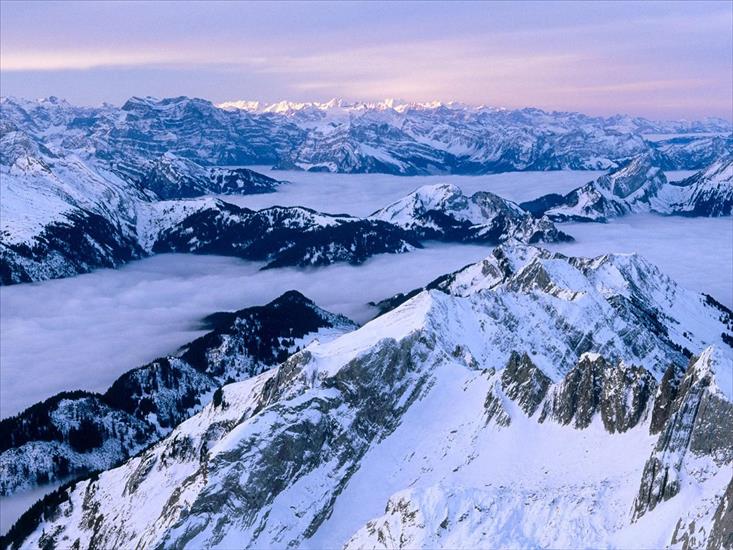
83,332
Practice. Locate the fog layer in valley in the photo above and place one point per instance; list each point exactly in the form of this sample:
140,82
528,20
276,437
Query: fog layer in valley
362,194
85,331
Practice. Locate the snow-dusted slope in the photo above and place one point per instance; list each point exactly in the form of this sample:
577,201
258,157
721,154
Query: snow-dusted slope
442,211
708,192
61,214
76,432
462,419
641,186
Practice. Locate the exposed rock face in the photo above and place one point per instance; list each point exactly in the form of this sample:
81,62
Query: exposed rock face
620,394
721,535
665,398
522,382
700,424
75,432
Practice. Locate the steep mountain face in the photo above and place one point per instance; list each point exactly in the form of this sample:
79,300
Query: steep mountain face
709,192
172,177
467,417
443,212
641,186
77,432
699,423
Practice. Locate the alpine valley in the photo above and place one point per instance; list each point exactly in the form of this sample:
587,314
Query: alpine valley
532,398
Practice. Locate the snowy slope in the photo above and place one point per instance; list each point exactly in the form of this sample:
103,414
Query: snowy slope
442,211
641,186
709,192
420,429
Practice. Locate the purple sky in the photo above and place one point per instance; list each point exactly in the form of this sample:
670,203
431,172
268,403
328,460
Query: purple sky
656,59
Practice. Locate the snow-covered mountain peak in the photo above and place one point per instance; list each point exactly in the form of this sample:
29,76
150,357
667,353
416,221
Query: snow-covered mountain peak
592,298
440,196
442,211
514,413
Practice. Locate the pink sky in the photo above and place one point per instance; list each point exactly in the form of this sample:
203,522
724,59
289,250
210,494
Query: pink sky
655,59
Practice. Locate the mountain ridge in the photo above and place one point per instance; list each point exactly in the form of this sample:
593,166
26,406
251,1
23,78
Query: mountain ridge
426,398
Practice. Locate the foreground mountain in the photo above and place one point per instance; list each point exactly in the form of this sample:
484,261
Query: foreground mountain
443,212
524,405
641,186
76,432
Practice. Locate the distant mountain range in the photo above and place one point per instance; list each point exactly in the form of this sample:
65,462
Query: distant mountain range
85,188
78,197
388,137
528,400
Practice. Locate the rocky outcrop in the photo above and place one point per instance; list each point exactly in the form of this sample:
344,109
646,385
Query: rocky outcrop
523,383
620,395
700,423
665,398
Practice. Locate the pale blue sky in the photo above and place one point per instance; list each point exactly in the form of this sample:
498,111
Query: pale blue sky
657,59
